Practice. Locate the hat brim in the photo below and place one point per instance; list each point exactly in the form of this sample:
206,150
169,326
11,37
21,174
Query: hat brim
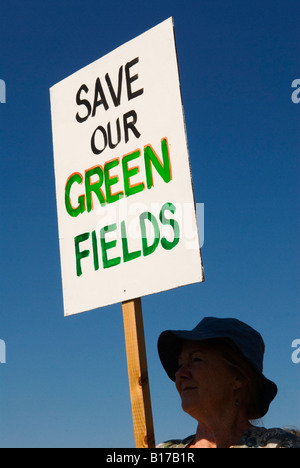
169,349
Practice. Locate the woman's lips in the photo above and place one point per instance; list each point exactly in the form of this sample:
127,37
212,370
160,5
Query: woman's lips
186,389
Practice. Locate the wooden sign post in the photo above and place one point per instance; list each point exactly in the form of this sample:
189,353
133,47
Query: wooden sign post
138,374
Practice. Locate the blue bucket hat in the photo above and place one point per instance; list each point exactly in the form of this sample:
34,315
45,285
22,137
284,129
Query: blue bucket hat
243,338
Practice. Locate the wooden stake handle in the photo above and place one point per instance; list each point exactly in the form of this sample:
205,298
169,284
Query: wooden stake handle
138,374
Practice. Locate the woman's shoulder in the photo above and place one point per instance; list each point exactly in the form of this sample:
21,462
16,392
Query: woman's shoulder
254,437
177,443
260,437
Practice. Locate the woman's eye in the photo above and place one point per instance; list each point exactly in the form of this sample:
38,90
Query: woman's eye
197,359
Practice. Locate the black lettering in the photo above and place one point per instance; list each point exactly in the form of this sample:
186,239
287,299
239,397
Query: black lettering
111,144
130,124
84,102
98,102
95,148
115,97
130,79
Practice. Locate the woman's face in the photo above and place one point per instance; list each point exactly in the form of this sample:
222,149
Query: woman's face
205,383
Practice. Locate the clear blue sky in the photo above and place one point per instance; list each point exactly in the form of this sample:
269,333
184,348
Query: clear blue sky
65,382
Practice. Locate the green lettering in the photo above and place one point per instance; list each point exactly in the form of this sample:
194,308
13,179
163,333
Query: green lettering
127,256
94,187
109,181
80,255
105,246
95,250
149,249
173,223
152,159
81,200
128,173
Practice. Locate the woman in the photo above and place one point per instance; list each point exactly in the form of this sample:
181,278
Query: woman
218,371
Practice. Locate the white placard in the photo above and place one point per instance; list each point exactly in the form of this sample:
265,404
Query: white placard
126,213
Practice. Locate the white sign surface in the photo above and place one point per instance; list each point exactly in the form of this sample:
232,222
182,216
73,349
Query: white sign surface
126,214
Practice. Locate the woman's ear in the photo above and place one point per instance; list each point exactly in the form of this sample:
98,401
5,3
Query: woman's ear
238,382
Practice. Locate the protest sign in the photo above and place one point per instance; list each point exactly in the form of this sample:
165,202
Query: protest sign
126,214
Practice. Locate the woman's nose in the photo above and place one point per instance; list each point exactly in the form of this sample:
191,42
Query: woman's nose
183,372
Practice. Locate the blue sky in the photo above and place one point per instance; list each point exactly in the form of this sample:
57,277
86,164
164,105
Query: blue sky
65,382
